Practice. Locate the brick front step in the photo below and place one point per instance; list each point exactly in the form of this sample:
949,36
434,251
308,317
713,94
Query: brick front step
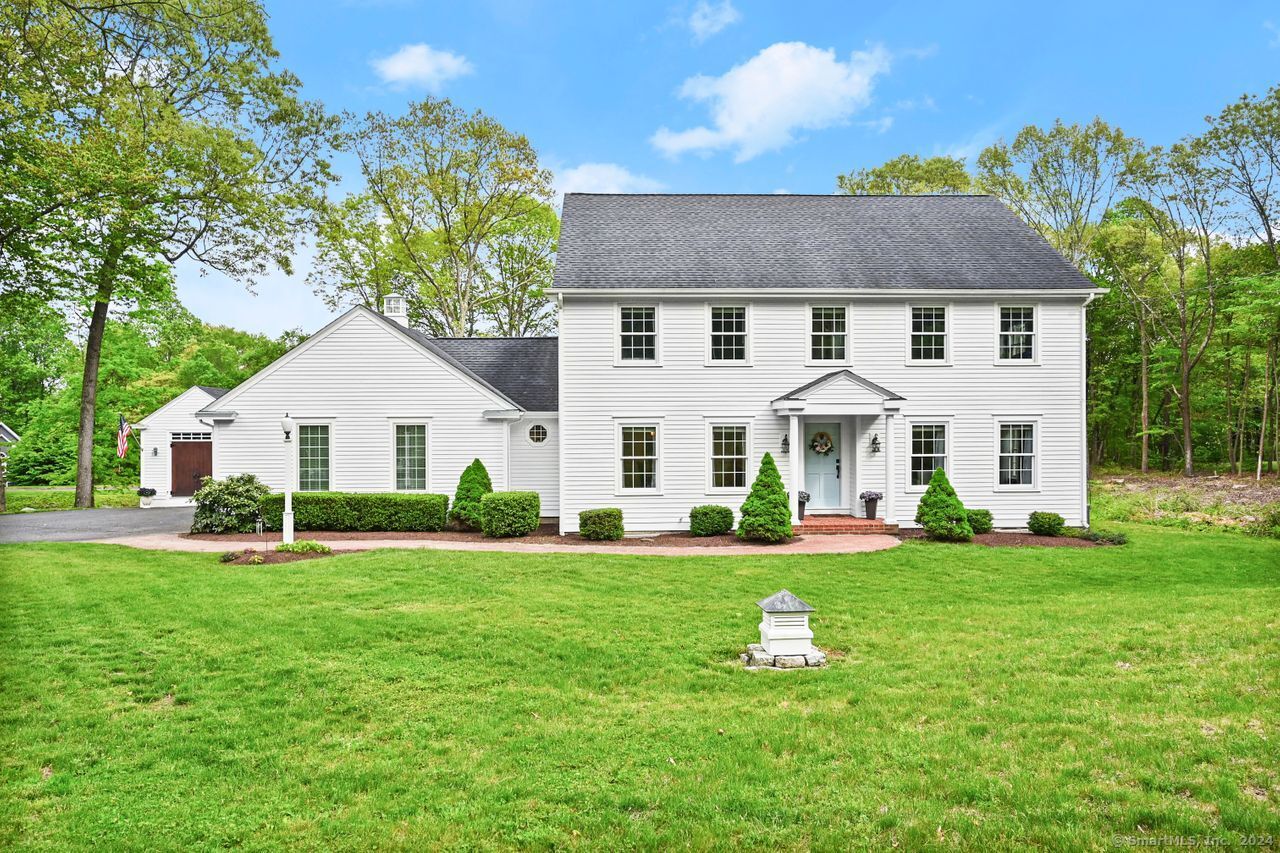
842,524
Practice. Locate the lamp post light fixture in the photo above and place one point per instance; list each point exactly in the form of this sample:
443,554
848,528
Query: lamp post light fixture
288,425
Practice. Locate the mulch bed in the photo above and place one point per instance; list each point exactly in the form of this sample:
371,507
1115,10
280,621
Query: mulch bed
545,535
1015,540
270,557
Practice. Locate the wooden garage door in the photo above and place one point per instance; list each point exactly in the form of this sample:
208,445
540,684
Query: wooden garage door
192,461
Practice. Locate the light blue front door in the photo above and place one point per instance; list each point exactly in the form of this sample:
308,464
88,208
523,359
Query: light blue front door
822,470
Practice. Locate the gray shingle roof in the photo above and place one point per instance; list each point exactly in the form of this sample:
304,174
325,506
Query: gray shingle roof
525,369
215,393
803,241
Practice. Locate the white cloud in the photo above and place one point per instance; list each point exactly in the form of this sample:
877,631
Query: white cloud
708,19
602,178
1270,26
759,105
880,125
422,65
971,146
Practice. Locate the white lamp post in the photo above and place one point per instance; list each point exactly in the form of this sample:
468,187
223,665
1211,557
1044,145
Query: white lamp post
288,425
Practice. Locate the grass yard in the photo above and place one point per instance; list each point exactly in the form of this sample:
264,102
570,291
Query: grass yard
984,697
18,498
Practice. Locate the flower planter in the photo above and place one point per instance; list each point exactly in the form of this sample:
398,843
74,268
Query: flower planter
871,509
802,510
145,500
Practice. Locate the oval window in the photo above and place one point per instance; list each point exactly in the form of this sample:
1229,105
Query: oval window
537,433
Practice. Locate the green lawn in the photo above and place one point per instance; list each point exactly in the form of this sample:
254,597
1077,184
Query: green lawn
18,498
992,698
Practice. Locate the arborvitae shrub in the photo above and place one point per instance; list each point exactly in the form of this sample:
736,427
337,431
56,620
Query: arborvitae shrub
940,512
472,487
766,513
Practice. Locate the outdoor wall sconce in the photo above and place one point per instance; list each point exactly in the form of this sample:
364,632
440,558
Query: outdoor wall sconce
875,443
786,445
155,451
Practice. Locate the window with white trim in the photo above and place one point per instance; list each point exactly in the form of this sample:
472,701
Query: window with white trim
411,457
639,456
728,456
728,333
828,332
1017,454
191,436
638,333
928,333
537,434
928,451
313,457
1017,333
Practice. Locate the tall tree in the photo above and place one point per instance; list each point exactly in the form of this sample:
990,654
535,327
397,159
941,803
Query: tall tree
172,135
522,265
356,262
447,183
908,174
1244,143
1060,181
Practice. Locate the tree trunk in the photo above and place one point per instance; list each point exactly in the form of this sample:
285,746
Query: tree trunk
1146,395
1184,409
89,387
1266,400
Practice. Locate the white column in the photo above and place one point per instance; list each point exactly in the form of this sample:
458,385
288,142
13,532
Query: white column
797,454
890,487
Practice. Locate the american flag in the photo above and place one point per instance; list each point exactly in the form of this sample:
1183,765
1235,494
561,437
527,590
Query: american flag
122,437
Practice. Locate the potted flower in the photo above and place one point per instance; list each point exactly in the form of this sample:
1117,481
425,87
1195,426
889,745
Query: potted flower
804,499
871,498
146,495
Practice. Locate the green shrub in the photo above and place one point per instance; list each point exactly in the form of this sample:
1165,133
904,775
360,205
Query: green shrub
940,512
228,506
766,513
980,520
352,511
600,524
255,560
1266,522
1102,537
1046,523
473,485
504,514
710,520
304,546
228,556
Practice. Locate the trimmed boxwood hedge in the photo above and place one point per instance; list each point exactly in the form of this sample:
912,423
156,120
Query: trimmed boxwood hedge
710,520
359,511
600,524
504,514
980,520
1046,523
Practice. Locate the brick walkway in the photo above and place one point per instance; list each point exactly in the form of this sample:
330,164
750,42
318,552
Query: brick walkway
832,544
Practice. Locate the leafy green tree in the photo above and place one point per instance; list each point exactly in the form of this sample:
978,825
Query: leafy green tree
356,262
1244,142
521,264
765,515
164,131
473,485
908,174
34,353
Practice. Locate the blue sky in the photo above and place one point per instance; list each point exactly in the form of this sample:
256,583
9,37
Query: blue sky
743,96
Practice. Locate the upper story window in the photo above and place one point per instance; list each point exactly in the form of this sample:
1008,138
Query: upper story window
313,457
928,342
828,333
1017,333
728,333
638,333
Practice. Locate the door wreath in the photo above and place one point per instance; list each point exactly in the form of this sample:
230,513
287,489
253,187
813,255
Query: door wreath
821,443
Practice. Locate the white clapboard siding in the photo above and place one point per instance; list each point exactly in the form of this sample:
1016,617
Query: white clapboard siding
362,378
154,431
684,392
536,467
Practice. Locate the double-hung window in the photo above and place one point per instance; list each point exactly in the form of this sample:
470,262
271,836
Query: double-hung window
1017,454
728,456
638,457
1017,333
313,457
928,334
928,451
637,333
728,342
828,333
411,457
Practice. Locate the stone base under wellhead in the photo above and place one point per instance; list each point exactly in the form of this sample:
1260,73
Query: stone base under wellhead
755,657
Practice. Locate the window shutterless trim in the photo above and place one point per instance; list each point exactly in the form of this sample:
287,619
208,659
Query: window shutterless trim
619,424
809,360
394,424
947,315
618,360
546,434
709,455
709,332
297,469
909,451
1035,335
999,421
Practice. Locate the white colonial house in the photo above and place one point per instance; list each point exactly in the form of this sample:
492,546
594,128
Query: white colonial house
862,340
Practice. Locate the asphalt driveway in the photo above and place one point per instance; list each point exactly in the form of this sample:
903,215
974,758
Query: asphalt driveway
87,525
